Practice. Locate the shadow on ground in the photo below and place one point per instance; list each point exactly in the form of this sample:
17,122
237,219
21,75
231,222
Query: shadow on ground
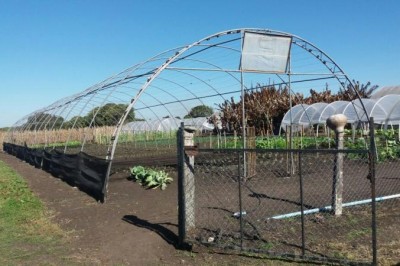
159,228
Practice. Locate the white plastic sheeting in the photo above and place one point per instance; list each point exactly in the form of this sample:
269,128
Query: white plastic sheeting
391,105
266,53
386,91
167,124
385,111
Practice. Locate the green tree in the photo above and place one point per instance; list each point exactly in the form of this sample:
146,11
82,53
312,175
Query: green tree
109,114
77,122
41,121
200,111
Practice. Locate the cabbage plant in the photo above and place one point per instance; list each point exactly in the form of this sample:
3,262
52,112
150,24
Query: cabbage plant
150,178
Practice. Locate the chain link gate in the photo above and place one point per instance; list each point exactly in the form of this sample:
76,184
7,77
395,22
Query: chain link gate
284,208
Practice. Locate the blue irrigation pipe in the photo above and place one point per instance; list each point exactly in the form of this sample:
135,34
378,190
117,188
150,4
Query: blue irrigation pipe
327,208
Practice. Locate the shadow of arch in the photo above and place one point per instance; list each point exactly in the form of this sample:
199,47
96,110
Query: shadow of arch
169,236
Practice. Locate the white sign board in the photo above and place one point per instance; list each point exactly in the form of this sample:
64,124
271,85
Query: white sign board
266,53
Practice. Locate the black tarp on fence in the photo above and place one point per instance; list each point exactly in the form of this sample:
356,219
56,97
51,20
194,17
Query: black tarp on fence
86,172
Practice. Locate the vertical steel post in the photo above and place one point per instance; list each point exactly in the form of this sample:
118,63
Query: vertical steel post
372,156
244,120
240,178
303,238
292,167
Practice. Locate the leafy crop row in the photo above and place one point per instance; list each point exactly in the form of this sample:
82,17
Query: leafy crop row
387,143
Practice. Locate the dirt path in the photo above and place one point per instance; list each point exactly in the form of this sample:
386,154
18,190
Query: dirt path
134,227
137,226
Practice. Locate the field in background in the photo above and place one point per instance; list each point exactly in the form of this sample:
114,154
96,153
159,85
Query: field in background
46,137
96,141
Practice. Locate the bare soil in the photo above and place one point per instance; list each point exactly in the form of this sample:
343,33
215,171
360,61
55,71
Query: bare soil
270,192
134,227
139,227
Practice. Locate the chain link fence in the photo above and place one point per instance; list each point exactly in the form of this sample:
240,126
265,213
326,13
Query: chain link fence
305,204
279,202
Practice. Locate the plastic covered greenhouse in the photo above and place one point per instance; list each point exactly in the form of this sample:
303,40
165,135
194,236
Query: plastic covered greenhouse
384,110
167,125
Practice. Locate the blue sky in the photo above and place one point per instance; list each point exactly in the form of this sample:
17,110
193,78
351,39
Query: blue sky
51,49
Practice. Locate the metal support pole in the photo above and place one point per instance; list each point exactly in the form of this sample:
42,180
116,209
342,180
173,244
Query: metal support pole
240,178
337,123
303,237
244,119
373,192
292,166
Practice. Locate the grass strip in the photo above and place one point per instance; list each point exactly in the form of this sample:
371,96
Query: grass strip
26,231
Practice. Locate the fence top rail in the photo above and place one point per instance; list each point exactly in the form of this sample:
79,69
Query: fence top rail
331,151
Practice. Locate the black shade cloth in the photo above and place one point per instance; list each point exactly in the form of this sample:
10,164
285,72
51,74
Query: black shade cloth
86,172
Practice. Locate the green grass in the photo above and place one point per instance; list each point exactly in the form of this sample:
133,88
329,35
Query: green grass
358,233
27,236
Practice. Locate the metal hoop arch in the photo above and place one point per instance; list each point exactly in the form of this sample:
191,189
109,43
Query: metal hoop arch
310,48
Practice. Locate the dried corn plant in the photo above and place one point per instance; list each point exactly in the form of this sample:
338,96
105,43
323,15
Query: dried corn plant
97,135
2,135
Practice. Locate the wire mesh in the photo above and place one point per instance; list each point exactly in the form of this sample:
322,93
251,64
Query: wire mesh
261,212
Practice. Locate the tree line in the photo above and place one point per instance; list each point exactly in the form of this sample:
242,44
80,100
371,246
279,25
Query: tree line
106,115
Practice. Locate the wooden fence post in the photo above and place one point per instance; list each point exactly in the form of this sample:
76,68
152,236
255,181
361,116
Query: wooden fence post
188,181
337,123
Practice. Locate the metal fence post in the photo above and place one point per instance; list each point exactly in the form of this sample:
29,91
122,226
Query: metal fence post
240,178
337,123
373,192
303,237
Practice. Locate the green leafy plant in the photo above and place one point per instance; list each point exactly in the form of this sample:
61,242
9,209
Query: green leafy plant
150,178
271,143
267,246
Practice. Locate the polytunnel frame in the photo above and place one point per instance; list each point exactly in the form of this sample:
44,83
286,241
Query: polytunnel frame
321,56
153,73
